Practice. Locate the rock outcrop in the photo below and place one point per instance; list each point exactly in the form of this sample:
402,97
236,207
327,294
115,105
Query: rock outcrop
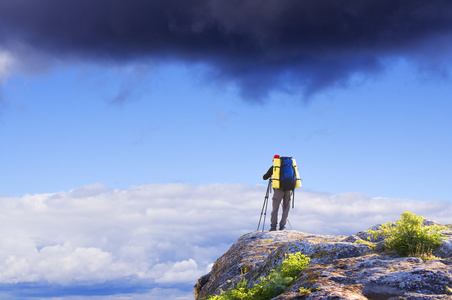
341,267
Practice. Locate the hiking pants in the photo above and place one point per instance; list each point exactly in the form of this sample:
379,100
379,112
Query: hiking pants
278,196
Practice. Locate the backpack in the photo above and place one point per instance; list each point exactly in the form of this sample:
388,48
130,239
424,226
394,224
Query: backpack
287,178
285,174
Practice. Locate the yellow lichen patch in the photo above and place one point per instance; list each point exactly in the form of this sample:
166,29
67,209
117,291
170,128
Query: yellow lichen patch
341,264
321,254
310,277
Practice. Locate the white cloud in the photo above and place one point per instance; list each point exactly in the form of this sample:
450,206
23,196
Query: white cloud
352,212
162,234
183,271
6,63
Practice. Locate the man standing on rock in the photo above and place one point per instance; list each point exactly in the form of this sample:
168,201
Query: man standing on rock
279,195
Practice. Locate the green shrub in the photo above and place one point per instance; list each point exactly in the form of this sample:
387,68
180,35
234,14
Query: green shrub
293,264
270,286
407,237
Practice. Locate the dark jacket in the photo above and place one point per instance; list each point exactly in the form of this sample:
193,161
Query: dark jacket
268,174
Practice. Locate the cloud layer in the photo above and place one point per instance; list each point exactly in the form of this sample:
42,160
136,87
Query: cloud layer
156,239
258,46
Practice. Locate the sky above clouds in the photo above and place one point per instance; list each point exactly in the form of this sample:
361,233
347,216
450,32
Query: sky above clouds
134,134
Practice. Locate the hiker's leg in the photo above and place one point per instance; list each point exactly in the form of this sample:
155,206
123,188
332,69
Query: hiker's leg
277,197
285,210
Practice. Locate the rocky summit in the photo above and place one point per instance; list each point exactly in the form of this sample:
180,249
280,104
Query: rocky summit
341,267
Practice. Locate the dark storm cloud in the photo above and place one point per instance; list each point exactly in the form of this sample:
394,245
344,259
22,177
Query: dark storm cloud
258,45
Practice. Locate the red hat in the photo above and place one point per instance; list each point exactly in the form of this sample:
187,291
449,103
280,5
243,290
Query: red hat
276,156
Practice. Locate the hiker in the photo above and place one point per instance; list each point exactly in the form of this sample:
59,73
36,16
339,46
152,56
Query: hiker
278,196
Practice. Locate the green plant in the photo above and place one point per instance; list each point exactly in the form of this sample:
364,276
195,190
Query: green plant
304,291
449,289
268,287
293,264
370,244
409,238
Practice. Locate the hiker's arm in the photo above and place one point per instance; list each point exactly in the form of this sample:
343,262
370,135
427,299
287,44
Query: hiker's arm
269,173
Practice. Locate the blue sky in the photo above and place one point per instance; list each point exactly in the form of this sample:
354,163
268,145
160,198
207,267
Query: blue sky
133,147
61,129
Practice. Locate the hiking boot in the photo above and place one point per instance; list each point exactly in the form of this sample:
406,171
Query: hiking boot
273,229
282,228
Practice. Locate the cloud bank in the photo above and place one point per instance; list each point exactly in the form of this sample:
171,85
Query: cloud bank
258,46
156,239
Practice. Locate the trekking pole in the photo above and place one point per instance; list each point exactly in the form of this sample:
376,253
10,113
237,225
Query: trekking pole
264,206
289,223
293,205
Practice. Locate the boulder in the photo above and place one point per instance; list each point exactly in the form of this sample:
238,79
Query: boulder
341,267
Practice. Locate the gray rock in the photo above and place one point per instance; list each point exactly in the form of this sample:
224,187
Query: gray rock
341,267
